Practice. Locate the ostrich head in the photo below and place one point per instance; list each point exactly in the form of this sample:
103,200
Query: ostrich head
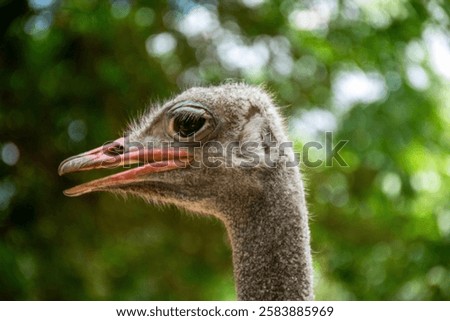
219,151
204,150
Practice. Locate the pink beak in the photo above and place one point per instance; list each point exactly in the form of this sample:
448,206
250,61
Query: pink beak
113,155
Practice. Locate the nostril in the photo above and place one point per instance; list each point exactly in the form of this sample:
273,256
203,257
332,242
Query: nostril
115,150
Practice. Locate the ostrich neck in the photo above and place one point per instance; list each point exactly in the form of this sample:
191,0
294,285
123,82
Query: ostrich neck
271,250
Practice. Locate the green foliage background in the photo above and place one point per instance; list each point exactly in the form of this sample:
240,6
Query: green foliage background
73,72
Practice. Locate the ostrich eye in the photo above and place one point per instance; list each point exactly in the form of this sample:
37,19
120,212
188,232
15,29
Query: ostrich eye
189,122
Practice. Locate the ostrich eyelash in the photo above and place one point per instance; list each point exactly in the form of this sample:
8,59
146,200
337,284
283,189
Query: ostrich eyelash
186,116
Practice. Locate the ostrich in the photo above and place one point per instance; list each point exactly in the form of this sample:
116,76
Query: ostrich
183,149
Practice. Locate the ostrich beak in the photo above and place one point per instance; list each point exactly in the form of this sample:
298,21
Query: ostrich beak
115,154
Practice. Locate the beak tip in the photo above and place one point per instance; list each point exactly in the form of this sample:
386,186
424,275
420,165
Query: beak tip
70,193
61,170
67,166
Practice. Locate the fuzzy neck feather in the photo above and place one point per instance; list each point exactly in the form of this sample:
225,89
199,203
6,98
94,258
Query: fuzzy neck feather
271,246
